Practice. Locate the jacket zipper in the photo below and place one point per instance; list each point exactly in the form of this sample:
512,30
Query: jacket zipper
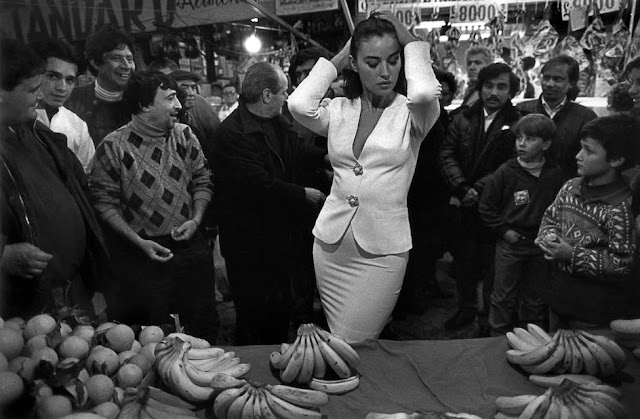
266,140
24,207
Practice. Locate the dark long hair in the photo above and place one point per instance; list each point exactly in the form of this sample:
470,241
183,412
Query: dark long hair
369,28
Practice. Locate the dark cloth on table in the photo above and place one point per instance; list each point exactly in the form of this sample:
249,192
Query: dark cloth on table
569,122
45,203
259,210
101,117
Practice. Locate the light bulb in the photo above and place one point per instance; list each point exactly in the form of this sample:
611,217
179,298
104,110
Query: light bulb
252,44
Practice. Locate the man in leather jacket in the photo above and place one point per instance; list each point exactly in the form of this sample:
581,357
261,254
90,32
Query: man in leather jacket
52,252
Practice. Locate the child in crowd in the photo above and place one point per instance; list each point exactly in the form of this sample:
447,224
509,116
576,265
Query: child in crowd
512,205
589,230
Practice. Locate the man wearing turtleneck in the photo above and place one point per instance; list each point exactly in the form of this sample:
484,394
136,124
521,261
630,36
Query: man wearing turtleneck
151,186
99,104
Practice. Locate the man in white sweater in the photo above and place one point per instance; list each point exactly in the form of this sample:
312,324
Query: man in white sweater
58,82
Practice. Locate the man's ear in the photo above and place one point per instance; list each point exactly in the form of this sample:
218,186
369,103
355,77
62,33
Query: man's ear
352,63
546,144
266,95
617,162
93,64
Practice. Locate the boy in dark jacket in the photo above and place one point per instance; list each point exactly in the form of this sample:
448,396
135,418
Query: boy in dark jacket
589,230
512,204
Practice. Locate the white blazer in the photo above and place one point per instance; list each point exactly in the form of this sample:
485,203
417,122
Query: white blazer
370,192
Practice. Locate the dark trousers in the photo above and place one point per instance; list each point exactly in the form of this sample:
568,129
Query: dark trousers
473,253
521,272
150,291
261,289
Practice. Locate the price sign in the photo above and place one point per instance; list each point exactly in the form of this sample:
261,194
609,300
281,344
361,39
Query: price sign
407,14
473,13
604,6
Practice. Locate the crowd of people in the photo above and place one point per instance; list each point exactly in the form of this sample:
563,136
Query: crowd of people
114,193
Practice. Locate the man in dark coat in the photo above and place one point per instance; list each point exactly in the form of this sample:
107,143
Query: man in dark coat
478,142
52,252
559,88
256,159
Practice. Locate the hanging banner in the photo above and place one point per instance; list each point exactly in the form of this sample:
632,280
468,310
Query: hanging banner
604,6
75,19
297,7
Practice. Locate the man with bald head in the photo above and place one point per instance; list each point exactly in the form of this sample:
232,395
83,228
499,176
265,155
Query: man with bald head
257,157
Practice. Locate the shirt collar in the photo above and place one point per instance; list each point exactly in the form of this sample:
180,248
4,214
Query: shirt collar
555,110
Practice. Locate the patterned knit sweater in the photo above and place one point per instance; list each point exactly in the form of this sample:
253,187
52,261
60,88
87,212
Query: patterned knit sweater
599,224
150,177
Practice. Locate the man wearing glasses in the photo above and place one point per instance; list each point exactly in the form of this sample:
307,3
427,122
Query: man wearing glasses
57,85
229,101
99,104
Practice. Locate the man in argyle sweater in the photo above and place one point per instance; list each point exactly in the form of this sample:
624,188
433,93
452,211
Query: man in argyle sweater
151,186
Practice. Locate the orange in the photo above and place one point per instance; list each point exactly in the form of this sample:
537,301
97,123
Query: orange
11,387
107,410
85,331
149,351
11,342
35,343
42,324
150,334
124,356
45,354
129,375
99,388
104,326
141,361
54,407
24,367
135,347
4,364
73,347
15,323
103,361
120,337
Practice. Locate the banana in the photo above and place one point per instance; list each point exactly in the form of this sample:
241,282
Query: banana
518,343
195,374
576,407
576,358
256,414
237,406
555,380
212,363
221,381
247,410
175,377
206,353
579,408
158,413
283,347
538,332
237,370
282,362
617,354
168,398
532,357
498,415
265,410
153,403
556,357
335,386
514,405
285,410
563,366
334,360
625,326
131,410
306,371
299,396
602,388
195,342
528,337
593,408
342,348
611,403
223,400
565,412
590,363
553,412
538,407
319,364
290,372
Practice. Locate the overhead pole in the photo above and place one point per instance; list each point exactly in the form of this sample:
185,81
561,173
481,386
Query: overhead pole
347,15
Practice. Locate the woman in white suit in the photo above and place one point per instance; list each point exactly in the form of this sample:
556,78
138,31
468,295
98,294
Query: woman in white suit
362,236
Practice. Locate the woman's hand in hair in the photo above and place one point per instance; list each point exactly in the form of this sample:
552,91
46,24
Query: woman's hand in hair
404,36
341,59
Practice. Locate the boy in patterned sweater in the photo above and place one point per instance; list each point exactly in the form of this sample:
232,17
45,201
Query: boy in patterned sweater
589,230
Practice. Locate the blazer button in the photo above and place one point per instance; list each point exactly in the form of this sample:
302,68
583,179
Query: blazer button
353,201
357,169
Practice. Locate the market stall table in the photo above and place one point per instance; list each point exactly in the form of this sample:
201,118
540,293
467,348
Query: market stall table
465,375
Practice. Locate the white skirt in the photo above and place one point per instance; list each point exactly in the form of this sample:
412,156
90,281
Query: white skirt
358,289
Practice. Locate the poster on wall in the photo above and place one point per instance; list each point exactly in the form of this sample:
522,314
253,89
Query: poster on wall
75,19
297,7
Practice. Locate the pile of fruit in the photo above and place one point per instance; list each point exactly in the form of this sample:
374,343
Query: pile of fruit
568,400
314,356
627,334
571,351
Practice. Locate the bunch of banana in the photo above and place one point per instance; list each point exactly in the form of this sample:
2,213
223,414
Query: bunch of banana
188,372
627,334
314,353
153,403
568,351
569,400
241,398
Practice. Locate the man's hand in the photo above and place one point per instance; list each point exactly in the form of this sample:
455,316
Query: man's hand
512,236
470,199
154,251
314,197
185,231
24,260
556,250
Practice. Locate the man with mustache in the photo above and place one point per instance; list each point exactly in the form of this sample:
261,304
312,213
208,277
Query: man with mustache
151,186
559,88
479,140
99,104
